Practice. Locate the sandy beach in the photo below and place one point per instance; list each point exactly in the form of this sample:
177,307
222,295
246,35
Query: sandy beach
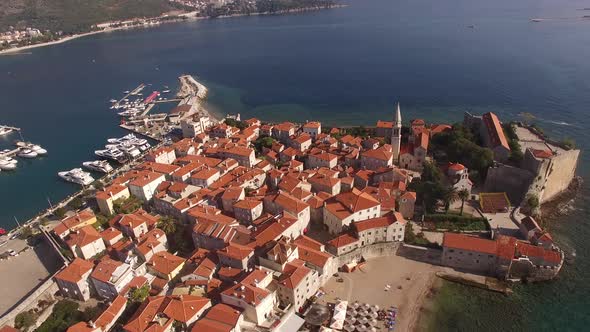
411,282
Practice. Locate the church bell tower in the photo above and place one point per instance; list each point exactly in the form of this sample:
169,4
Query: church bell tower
396,134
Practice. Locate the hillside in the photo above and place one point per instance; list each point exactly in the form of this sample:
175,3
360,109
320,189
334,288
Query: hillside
71,16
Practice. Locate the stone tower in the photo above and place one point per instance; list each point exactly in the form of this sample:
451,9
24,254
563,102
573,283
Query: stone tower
396,134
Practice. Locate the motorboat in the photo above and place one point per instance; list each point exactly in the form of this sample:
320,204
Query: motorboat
77,175
129,149
7,165
129,112
122,139
113,101
5,130
27,153
166,91
37,148
98,166
113,154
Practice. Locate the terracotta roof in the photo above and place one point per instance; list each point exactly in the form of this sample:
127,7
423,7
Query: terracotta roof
165,262
247,204
110,233
494,202
293,273
384,221
342,240
308,242
182,308
236,251
495,131
345,204
287,202
74,221
104,269
113,189
75,271
313,256
456,167
83,237
471,243
380,154
157,167
409,195
146,179
543,154
312,124
542,255
384,124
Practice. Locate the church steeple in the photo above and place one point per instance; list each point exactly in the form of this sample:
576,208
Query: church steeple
396,134
397,121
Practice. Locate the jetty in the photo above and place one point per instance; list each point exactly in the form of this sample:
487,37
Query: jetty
132,93
482,282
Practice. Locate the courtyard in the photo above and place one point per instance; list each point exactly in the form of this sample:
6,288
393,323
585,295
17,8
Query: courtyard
409,284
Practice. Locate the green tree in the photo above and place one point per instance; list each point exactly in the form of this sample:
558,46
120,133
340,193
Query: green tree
60,212
65,314
449,196
25,320
533,201
167,224
76,203
138,295
463,195
431,173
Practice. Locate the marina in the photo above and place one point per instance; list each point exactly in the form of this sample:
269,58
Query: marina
25,150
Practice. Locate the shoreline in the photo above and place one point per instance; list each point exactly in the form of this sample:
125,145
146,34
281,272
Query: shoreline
184,18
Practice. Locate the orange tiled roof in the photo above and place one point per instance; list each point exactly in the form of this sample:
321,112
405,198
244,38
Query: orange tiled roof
74,272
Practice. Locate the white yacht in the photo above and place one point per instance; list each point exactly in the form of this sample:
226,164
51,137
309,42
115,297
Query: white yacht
98,166
37,148
113,154
129,149
113,101
5,130
7,164
130,112
77,175
27,153
122,139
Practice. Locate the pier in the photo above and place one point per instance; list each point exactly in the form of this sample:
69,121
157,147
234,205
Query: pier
132,93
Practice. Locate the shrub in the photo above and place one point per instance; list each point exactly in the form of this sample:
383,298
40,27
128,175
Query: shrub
25,320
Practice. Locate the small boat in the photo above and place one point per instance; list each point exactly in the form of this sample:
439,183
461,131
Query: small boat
113,101
37,148
129,113
77,175
27,153
5,130
166,91
7,165
126,91
102,166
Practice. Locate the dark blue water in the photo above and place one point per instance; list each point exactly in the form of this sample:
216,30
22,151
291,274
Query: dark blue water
343,66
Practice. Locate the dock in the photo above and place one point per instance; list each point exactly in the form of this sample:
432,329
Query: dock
11,128
10,153
133,92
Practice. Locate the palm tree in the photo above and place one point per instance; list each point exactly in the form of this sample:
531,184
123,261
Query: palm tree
463,196
449,197
167,224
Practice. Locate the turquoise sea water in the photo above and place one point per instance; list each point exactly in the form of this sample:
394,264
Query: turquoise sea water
343,66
